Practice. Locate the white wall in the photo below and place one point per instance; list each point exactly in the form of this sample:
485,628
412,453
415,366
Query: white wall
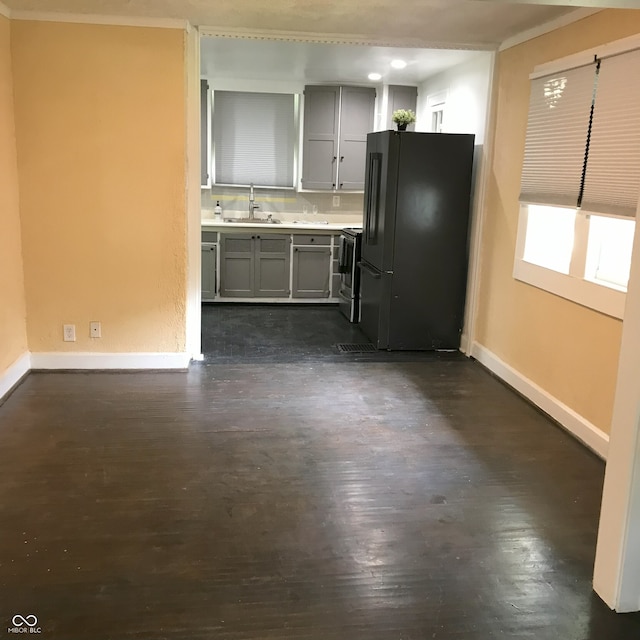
467,97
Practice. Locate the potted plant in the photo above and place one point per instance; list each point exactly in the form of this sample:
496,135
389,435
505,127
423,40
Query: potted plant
403,117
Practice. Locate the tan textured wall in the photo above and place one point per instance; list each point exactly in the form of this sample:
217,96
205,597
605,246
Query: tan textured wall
570,351
100,120
13,333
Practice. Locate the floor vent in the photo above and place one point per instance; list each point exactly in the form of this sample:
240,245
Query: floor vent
356,348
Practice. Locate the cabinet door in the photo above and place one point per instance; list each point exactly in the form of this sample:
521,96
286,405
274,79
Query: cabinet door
356,120
311,269
205,134
320,140
272,266
208,283
401,97
236,266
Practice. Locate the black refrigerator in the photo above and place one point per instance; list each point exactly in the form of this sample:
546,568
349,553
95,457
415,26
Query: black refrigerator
413,269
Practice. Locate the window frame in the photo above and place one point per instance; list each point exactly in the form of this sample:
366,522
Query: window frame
437,103
573,286
600,296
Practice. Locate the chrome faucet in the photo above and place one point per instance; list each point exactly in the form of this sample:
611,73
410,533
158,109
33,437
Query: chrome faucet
252,205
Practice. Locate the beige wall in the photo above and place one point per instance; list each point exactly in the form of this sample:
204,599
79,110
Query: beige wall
100,121
568,350
13,334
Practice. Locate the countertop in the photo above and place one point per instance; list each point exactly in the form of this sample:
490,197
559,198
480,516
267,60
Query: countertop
284,226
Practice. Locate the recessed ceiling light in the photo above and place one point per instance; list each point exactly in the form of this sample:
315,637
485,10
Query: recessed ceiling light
375,76
398,64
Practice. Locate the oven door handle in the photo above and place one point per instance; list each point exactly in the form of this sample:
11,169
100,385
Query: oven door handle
343,267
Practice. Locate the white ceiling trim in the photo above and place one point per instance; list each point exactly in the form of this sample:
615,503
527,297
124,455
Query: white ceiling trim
4,10
89,18
547,27
332,38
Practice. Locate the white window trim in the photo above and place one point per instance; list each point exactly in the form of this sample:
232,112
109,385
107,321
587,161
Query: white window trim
589,294
437,102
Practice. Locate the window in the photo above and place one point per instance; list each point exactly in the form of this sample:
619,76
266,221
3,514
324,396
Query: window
436,121
549,237
254,138
609,250
581,178
436,103
578,256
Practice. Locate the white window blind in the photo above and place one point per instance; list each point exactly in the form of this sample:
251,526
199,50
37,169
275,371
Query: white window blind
559,111
254,138
612,179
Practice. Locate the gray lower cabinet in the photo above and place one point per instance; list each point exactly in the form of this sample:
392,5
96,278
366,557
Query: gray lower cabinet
236,266
252,265
311,272
209,271
272,266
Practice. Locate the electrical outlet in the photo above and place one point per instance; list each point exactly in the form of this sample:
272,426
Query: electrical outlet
336,201
95,330
69,332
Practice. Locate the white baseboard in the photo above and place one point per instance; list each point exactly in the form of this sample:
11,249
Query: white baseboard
65,361
14,374
464,344
594,438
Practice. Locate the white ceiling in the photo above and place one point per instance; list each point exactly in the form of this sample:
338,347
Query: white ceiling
474,23
300,62
431,34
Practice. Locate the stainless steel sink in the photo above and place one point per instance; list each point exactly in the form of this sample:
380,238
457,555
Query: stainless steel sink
254,220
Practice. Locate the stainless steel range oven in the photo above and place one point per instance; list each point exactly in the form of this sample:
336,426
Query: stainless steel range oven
348,258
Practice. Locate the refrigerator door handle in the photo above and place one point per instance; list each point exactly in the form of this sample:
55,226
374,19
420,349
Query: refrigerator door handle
372,197
374,274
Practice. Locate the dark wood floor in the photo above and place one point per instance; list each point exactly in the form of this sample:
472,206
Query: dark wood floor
311,500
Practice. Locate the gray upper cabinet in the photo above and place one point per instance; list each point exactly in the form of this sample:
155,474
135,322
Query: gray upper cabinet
401,97
205,134
356,120
336,123
320,142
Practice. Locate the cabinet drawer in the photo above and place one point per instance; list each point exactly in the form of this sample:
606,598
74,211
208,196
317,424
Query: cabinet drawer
237,244
309,239
209,236
273,243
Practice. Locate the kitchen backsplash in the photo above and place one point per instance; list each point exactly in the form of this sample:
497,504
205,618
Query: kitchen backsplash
282,202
